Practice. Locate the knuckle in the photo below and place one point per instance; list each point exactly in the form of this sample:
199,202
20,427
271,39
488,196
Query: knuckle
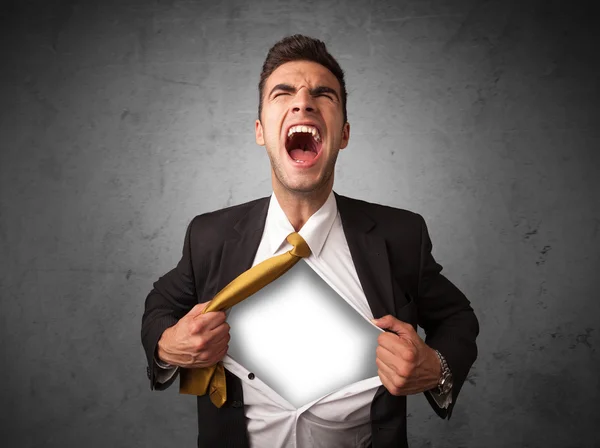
200,344
197,324
405,372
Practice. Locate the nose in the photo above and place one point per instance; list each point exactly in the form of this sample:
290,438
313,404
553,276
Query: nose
303,101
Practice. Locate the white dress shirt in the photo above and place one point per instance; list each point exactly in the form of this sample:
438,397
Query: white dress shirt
338,417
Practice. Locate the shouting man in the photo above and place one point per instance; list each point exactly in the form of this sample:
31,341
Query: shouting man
379,256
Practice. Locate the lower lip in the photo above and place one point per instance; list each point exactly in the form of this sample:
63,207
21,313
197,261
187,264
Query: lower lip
306,164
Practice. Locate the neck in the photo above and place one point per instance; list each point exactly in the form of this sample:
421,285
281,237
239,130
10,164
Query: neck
300,206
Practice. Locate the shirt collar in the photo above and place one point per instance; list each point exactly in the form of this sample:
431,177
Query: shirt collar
314,231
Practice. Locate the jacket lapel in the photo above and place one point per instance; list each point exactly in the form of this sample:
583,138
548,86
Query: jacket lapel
369,255
239,250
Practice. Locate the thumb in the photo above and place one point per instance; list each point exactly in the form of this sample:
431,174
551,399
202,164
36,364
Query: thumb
197,309
389,322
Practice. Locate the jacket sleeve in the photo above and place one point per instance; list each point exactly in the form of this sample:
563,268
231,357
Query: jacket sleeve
448,319
172,297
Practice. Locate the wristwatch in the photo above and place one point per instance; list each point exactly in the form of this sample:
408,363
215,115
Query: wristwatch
160,363
163,365
445,384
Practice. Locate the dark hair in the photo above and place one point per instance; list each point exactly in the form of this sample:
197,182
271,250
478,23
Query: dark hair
300,48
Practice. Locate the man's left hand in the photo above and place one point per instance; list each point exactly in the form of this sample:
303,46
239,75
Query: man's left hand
406,364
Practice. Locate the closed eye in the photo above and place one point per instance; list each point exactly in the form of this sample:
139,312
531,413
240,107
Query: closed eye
321,94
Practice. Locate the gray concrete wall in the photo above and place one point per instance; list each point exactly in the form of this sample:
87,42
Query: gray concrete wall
122,120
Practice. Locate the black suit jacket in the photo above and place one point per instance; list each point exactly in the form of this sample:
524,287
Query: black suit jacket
391,251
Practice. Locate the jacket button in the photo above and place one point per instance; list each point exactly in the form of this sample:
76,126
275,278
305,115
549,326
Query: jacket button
148,372
251,376
236,404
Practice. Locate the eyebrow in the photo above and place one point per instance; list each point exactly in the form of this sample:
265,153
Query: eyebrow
316,91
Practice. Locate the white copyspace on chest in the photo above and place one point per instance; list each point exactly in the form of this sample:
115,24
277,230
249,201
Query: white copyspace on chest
301,338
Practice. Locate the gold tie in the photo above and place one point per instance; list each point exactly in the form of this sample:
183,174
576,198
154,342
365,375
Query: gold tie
198,381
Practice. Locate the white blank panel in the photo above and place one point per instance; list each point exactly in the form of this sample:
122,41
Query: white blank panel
301,338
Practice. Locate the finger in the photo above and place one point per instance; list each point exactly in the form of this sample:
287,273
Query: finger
395,344
223,352
389,363
386,350
217,331
224,340
214,319
206,323
212,338
387,382
385,370
396,384
219,356
197,309
393,324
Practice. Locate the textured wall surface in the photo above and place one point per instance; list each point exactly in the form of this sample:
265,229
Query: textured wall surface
121,120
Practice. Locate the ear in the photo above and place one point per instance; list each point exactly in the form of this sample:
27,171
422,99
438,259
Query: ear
345,135
258,131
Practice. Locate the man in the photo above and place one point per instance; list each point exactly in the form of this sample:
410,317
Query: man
302,122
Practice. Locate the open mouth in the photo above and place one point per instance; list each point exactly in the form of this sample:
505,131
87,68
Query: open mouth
303,143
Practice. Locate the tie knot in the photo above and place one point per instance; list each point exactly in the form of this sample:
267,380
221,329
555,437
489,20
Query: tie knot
300,249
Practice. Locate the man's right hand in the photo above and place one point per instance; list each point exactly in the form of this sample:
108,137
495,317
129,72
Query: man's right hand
197,340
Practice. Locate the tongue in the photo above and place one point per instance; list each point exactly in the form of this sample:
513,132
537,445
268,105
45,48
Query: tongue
300,154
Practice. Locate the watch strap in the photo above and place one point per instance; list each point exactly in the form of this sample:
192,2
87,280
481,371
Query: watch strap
445,371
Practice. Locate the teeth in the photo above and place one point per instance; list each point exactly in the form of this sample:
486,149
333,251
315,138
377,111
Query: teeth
305,129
